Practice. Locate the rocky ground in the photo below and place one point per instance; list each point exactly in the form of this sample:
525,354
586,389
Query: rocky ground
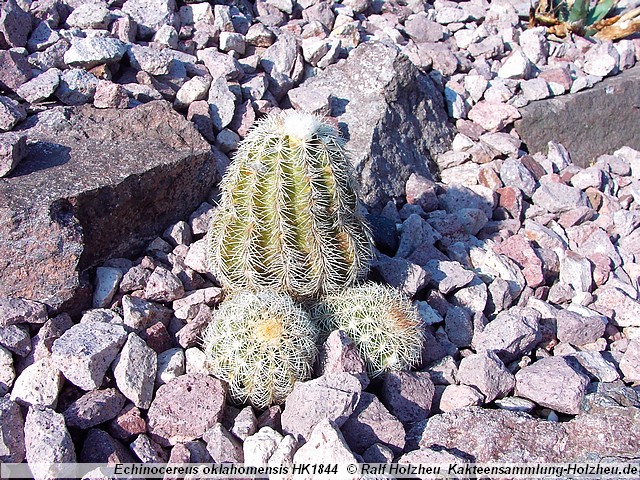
524,266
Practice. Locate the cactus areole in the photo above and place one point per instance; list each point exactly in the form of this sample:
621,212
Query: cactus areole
288,218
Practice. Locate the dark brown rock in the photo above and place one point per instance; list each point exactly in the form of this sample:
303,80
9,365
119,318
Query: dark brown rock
185,408
14,70
372,423
89,189
570,120
127,424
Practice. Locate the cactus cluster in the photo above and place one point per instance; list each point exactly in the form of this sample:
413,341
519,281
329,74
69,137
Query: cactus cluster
288,230
382,322
260,344
288,218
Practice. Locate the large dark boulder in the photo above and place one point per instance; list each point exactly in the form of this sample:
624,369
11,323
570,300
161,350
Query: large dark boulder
588,123
390,112
95,184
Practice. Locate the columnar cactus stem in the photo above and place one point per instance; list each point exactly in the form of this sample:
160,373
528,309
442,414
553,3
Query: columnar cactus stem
384,325
288,219
260,344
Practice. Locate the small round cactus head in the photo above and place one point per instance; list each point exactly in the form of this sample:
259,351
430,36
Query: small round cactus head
380,320
260,344
288,218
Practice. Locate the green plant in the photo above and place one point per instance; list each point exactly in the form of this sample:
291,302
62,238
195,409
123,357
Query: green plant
288,218
381,321
585,18
260,344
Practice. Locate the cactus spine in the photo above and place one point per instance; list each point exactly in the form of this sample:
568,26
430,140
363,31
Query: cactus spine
380,320
260,344
288,218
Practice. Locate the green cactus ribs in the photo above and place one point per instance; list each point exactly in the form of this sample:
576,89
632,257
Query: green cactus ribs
260,344
383,324
288,217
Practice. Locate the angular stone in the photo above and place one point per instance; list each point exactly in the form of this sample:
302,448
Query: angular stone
259,447
15,25
107,283
493,116
516,65
13,148
575,270
38,384
519,249
110,95
84,352
578,330
459,396
408,395
100,447
67,185
11,113
558,198
16,338
41,87
91,51
630,362
340,393
14,70
171,364
12,448
493,265
148,451
389,75
127,424
401,274
150,15
47,442
325,444
93,408
459,326
89,15
609,130
613,302
185,408
597,366
553,383
512,333
135,370
372,423
7,371
339,354
448,276
222,445
163,286
487,373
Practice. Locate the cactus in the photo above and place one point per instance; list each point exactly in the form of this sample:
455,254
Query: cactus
382,322
288,217
260,344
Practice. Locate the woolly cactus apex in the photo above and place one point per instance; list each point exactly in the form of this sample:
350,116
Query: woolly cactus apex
288,218
384,325
260,344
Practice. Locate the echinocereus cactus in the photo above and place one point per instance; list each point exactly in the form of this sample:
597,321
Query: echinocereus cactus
288,217
260,344
382,322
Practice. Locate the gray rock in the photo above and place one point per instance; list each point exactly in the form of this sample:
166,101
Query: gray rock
18,310
221,103
575,270
515,404
38,384
630,362
12,448
52,205
512,333
448,276
148,451
422,124
553,383
11,113
48,333
7,371
326,444
41,37
90,15
535,45
171,364
135,370
459,326
193,90
487,373
259,447
185,408
84,352
597,366
91,51
616,304
222,445
408,395
41,87
245,424
16,339
283,62
107,283
150,15
613,97
76,87
372,423
514,174
163,286
578,330
139,314
558,198
149,59
401,274
93,408
15,25
47,442
340,393
13,148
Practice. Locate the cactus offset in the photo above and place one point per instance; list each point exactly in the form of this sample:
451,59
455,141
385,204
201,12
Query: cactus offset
288,218
260,344
384,325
